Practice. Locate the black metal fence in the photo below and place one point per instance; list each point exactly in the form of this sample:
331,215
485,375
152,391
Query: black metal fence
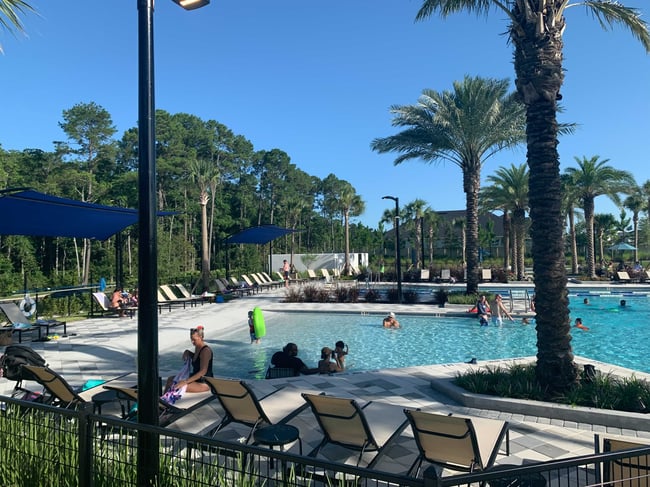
47,446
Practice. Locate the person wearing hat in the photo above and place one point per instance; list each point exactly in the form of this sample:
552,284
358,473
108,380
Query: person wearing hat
390,321
325,364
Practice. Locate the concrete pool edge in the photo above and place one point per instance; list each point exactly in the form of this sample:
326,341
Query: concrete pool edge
564,412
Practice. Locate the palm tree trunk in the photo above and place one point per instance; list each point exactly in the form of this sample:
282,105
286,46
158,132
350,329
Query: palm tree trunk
519,218
574,242
538,65
588,204
472,185
506,241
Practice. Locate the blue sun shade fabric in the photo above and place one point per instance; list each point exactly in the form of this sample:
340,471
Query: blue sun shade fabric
40,215
258,235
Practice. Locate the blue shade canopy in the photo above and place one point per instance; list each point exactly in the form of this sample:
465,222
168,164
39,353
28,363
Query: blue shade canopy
622,246
28,212
258,235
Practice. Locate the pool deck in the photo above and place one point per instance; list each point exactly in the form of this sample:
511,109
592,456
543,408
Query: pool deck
102,348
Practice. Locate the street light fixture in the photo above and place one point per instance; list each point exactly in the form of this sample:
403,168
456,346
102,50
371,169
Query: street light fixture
147,361
398,262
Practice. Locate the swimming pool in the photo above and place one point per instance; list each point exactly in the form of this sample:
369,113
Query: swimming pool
617,335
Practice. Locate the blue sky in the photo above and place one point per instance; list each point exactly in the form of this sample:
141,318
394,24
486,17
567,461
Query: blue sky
316,79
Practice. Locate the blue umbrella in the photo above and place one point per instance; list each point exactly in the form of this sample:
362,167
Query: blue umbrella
622,246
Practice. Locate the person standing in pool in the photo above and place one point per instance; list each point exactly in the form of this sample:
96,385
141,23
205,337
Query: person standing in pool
390,321
325,364
251,328
483,311
499,310
580,325
288,359
339,353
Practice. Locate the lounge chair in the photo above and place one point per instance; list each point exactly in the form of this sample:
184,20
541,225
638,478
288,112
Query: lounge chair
17,321
206,296
326,275
312,275
623,277
262,283
169,294
59,392
267,281
106,307
20,323
630,471
167,413
486,275
456,442
241,285
254,286
241,405
445,275
364,429
222,290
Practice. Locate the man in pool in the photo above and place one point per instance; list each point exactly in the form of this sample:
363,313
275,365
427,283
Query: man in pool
390,321
288,359
580,325
483,311
499,310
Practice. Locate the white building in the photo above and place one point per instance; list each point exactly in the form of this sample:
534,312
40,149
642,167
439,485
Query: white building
302,262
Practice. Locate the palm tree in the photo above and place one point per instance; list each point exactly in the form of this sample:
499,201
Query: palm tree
464,127
536,30
569,202
415,213
204,174
509,192
351,204
592,178
430,222
10,11
604,224
636,204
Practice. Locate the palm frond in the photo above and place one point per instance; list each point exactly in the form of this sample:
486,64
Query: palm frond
610,12
10,11
448,7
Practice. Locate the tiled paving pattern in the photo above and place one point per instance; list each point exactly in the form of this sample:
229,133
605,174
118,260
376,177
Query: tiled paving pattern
106,347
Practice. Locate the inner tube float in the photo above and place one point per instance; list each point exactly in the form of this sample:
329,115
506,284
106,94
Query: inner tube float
28,306
258,322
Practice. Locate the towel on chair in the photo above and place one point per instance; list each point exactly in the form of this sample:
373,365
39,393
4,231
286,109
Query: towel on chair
173,394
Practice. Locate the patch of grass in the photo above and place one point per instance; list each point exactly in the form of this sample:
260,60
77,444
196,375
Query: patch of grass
603,391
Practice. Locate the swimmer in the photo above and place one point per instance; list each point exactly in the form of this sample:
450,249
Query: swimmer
585,301
390,321
499,310
525,321
623,303
580,325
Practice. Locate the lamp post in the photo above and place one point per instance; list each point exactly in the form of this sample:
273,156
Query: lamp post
147,361
398,262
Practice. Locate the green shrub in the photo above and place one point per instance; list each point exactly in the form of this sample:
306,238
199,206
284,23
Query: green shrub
604,391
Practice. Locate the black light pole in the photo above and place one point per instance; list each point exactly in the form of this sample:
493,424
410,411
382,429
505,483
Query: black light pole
147,361
398,261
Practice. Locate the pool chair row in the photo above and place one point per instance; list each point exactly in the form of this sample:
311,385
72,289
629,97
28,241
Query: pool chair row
456,443
122,390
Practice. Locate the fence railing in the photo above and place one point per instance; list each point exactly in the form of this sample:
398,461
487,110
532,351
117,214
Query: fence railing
41,445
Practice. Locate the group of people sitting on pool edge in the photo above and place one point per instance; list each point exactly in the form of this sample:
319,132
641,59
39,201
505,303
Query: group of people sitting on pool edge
331,361
496,311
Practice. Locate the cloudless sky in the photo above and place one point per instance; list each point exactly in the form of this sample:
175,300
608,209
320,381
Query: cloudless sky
316,80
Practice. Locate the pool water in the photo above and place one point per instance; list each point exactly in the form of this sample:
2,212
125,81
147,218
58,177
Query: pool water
617,335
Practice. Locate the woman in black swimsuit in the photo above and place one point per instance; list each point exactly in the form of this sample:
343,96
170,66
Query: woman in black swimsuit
201,363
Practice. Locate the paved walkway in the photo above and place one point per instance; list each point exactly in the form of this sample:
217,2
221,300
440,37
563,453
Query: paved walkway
101,348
